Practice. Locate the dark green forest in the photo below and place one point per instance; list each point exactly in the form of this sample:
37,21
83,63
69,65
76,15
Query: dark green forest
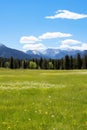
66,63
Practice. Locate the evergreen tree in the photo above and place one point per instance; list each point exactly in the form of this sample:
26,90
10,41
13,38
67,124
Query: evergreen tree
11,63
23,64
66,62
84,62
71,62
79,61
1,62
45,64
41,63
56,64
62,64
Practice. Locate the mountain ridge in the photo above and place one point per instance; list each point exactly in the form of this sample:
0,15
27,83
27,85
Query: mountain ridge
7,52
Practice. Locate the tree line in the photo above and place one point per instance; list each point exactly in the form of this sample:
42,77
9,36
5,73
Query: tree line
66,63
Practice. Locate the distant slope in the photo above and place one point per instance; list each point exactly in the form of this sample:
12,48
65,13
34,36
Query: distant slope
36,54
8,52
55,53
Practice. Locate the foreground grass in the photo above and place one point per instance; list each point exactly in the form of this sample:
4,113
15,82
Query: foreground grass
43,100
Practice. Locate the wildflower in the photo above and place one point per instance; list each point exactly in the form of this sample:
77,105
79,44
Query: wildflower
74,122
9,127
52,116
29,119
49,96
4,123
35,111
40,111
86,122
46,113
25,110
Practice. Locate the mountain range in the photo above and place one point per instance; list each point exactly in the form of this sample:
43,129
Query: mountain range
7,52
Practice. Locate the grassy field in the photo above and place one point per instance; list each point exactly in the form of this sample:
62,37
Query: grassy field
43,100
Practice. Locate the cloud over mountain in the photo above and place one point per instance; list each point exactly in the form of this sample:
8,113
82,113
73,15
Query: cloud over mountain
73,44
36,43
29,39
37,46
70,41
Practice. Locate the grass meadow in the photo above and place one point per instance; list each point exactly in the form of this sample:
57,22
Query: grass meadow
43,100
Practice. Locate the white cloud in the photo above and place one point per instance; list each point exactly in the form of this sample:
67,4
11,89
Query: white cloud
50,35
62,46
83,46
66,14
29,39
79,47
32,42
38,47
47,35
70,41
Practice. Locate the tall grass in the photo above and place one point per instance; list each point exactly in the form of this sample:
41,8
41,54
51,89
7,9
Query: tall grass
43,100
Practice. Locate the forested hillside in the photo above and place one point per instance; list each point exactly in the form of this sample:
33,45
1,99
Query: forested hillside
68,62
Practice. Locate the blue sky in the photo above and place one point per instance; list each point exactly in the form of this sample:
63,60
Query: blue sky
41,24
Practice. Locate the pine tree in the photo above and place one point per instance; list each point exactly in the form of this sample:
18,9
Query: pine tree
66,62
11,63
84,62
71,62
79,61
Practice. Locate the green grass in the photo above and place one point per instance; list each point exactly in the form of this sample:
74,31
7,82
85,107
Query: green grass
43,100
